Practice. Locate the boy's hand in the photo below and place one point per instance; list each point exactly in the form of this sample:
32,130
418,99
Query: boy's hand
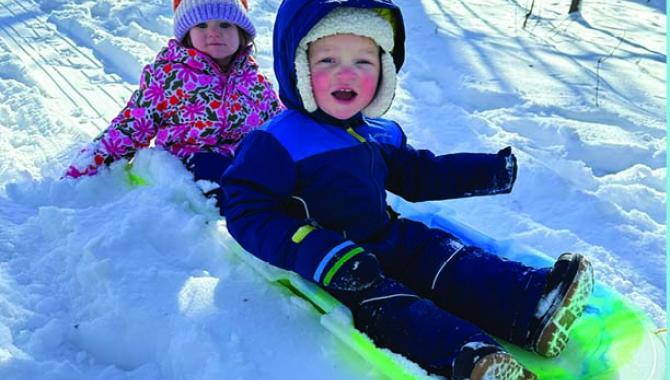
352,275
509,169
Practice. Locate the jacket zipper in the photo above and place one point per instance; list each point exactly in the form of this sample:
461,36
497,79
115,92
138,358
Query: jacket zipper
362,140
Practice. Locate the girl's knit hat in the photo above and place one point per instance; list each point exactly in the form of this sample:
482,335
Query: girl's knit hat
189,13
371,23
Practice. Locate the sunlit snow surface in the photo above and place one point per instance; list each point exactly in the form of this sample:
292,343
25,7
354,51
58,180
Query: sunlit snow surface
99,280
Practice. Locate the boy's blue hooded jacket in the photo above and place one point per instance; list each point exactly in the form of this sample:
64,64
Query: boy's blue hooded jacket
311,169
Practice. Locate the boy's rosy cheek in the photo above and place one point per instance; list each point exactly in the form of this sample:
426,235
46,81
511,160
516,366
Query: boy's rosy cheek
319,80
369,83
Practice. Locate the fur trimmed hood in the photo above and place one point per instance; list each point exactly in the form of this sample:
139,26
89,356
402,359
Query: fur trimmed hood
295,20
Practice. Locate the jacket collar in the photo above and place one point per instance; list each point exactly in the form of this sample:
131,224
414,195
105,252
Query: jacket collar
324,118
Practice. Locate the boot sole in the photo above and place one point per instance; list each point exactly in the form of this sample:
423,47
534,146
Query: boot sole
554,337
500,366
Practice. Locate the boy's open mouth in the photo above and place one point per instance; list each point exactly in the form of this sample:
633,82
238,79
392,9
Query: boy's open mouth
344,94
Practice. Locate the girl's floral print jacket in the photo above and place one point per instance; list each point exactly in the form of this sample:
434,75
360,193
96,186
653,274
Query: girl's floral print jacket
188,105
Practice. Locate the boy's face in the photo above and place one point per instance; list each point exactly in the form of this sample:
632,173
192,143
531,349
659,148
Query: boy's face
345,72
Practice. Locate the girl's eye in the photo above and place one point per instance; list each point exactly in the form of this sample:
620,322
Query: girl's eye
363,62
202,25
326,60
225,25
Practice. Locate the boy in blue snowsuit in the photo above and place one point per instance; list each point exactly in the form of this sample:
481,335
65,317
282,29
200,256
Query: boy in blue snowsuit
307,193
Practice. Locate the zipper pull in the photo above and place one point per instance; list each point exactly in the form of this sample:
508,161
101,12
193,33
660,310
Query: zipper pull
356,135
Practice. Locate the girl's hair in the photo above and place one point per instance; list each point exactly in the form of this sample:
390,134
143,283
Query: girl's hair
245,40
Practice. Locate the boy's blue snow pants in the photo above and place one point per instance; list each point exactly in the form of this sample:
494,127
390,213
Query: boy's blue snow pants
478,293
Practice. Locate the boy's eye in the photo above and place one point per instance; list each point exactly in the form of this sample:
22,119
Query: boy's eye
326,60
202,25
364,62
225,25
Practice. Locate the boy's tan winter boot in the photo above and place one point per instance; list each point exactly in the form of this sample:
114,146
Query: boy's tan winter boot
569,286
484,361
500,366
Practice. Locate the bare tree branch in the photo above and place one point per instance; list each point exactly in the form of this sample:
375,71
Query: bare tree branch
530,12
601,60
574,6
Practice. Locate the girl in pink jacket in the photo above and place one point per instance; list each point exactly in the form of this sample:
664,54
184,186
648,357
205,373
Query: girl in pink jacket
199,97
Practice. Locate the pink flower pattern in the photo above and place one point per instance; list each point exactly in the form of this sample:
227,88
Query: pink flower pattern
188,76
155,93
193,110
186,105
144,131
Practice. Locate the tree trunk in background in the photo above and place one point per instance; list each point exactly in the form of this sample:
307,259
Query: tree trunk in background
574,6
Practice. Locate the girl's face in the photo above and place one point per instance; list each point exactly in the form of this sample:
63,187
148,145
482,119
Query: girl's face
216,38
344,72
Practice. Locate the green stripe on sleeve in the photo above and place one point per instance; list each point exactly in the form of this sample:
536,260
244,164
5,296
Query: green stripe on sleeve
301,233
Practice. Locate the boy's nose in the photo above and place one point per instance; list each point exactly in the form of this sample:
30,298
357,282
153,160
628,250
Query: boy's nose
346,72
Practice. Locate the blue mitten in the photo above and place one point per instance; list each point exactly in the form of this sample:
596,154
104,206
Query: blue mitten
507,174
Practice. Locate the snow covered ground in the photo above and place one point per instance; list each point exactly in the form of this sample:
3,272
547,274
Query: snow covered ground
99,280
